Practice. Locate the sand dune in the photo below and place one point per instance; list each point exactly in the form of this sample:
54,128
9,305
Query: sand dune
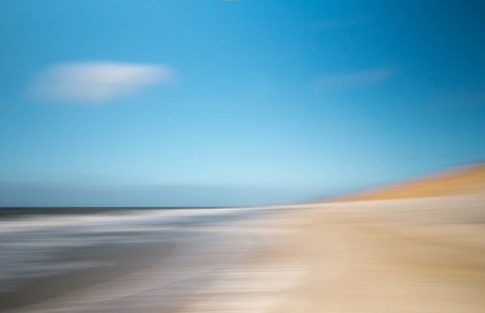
465,180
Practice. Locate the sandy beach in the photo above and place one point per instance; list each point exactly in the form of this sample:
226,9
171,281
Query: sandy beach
388,254
407,248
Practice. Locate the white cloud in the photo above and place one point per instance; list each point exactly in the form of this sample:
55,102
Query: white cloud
97,81
354,79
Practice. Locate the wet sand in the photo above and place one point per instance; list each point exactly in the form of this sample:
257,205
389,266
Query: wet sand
113,259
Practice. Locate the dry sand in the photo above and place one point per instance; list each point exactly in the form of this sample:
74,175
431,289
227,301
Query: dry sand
407,253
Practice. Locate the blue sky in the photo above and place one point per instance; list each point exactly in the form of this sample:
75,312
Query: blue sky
207,102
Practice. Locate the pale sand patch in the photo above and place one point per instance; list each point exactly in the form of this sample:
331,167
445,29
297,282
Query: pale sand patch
254,289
